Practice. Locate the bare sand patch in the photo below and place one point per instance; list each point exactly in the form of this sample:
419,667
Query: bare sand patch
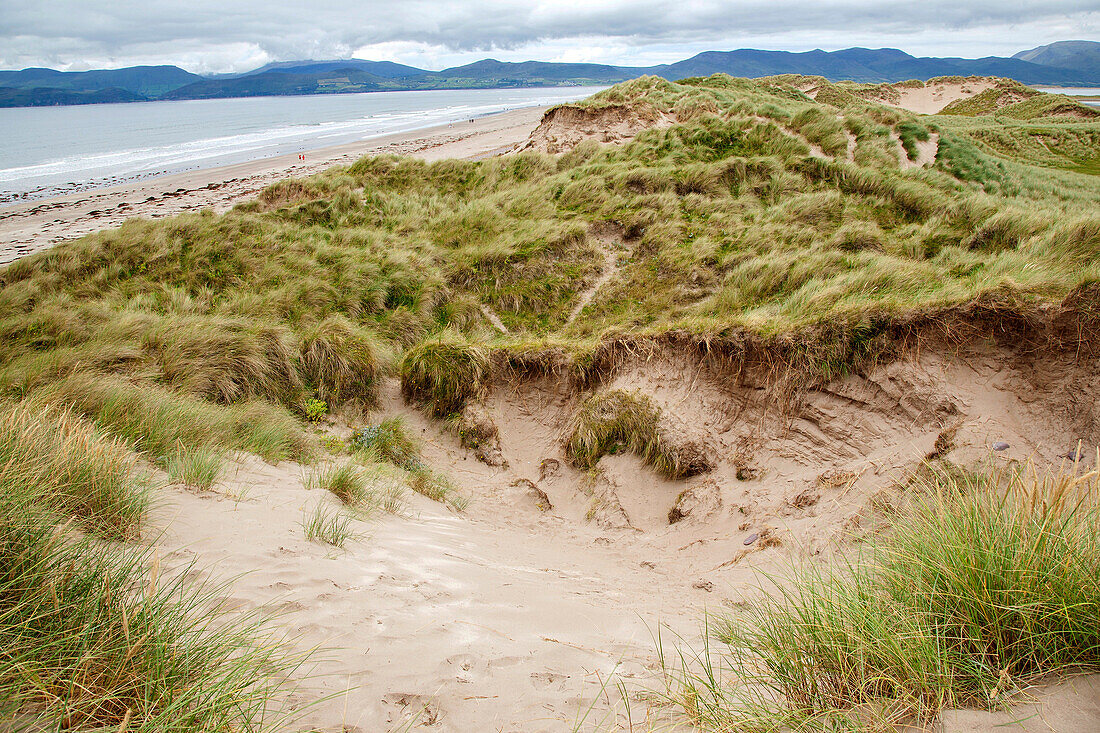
930,97
515,614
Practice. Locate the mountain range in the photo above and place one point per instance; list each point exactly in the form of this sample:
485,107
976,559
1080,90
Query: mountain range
1066,63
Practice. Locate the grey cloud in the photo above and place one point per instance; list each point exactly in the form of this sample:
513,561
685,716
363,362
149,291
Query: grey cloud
67,31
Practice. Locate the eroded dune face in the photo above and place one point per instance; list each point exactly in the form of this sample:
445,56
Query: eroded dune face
563,128
513,614
929,98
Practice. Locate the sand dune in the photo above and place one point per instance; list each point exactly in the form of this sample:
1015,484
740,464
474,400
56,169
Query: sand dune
29,227
512,617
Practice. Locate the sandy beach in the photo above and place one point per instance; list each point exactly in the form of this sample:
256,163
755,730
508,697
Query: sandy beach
36,225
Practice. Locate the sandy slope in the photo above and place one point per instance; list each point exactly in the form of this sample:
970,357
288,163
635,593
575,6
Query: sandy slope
509,618
933,97
500,618
29,227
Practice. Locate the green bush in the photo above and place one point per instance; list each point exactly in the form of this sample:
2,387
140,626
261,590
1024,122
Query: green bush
444,372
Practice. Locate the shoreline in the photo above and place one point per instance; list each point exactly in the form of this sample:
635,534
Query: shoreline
29,227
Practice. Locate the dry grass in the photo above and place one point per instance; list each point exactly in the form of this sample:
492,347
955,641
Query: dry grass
91,637
444,372
617,420
985,583
61,462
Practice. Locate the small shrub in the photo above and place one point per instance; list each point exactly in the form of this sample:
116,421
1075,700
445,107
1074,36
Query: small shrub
444,372
330,527
198,467
388,441
333,444
315,410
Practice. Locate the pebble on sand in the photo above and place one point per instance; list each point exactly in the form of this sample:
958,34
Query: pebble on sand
1075,454
1000,445
752,538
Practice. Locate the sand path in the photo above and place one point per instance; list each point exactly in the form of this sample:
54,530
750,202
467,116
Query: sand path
927,150
609,246
500,618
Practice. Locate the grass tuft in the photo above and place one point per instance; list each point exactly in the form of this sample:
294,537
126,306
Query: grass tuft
436,487
618,420
444,372
199,467
341,361
65,464
92,635
345,481
985,583
329,527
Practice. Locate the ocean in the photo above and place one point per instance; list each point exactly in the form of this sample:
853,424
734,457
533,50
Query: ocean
48,151
1076,92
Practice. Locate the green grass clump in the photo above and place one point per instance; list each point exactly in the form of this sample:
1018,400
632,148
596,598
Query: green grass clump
986,583
329,527
911,132
63,463
444,372
91,636
197,467
388,441
224,360
611,422
340,360
436,487
345,481
618,420
90,641
157,422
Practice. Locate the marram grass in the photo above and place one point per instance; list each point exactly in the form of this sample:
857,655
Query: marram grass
94,635
985,583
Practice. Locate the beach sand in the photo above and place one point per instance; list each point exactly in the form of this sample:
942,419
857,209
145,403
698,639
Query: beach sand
33,226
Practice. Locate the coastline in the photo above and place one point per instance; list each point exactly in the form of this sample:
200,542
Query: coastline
36,225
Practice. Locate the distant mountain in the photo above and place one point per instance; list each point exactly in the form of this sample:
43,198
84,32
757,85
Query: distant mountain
1069,63
46,97
865,65
384,69
145,81
541,71
1081,55
282,82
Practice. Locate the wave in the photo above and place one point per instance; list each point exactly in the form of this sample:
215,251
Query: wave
244,134
317,134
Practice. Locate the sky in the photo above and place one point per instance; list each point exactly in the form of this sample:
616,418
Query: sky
220,36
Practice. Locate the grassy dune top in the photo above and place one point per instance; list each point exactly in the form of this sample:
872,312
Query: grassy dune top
760,209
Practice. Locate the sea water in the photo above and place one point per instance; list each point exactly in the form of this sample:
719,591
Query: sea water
46,151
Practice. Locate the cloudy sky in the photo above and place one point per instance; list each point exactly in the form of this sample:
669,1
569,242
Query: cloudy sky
235,35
